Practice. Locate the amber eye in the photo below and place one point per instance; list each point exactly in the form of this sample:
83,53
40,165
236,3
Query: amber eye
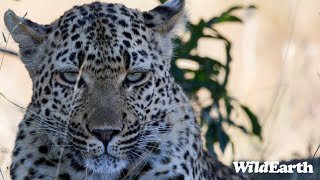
70,78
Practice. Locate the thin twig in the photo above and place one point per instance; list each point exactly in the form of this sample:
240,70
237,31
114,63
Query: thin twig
282,72
315,154
69,116
290,33
1,174
6,51
5,48
11,101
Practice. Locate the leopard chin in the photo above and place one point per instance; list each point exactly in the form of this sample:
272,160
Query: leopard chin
106,164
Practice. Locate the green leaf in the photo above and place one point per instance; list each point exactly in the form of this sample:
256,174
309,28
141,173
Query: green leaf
205,116
211,138
229,60
242,128
196,31
223,138
224,18
228,106
233,8
256,127
212,63
252,7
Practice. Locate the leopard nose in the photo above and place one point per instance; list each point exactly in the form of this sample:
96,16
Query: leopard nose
105,136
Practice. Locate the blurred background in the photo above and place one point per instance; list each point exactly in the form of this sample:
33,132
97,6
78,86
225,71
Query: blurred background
274,74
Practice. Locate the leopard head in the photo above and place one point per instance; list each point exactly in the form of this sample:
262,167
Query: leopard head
100,77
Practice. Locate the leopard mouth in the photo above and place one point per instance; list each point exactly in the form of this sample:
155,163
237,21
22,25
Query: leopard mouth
105,164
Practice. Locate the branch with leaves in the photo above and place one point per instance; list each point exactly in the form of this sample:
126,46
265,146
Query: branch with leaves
207,77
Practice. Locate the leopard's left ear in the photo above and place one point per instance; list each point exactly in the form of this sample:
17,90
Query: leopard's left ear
167,17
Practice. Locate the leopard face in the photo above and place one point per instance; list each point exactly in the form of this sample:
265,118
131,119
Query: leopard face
99,76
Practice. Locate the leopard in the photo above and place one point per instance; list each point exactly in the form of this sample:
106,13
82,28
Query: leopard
104,104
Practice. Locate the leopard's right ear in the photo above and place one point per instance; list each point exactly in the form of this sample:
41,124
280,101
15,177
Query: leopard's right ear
28,35
167,17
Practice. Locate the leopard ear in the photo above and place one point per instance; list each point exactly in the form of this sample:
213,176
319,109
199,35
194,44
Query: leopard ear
28,35
167,17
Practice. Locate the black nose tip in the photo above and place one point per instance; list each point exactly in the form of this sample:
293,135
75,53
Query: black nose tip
105,136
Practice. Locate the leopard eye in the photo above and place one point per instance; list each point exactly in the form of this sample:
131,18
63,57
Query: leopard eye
68,78
135,77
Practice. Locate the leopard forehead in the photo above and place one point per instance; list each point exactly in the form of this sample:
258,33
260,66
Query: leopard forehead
109,38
